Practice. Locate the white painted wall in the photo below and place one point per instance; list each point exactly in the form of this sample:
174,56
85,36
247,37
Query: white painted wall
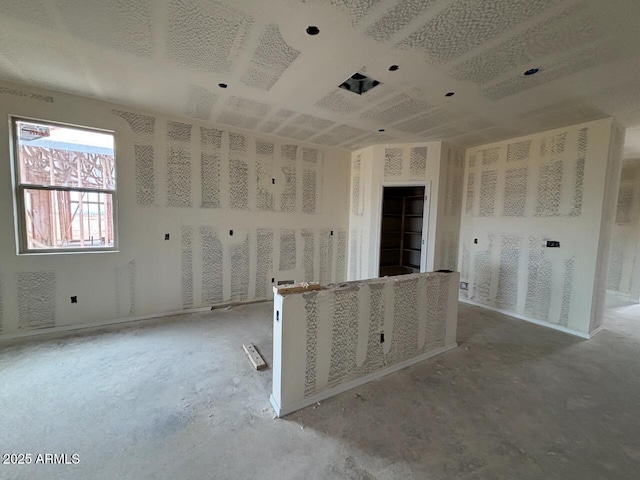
404,164
556,185
150,275
624,262
328,341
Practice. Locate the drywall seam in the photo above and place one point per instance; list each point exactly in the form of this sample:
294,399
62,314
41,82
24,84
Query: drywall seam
36,299
264,263
125,278
210,158
20,93
186,278
212,259
179,164
238,172
143,129
240,270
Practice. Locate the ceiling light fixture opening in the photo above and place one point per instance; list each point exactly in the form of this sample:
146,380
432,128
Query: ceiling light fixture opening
222,85
393,68
531,71
381,130
313,30
359,83
449,94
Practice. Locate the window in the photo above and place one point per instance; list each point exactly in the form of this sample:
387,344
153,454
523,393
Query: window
65,187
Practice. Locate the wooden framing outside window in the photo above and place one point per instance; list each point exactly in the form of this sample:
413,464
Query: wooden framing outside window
65,187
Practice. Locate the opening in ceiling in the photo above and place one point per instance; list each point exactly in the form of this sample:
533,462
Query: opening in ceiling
359,83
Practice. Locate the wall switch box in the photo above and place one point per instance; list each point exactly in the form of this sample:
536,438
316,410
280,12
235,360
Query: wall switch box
166,236
553,244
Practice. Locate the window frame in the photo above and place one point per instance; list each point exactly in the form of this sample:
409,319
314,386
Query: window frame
19,191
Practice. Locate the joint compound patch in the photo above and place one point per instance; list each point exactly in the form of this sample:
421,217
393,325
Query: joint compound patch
36,300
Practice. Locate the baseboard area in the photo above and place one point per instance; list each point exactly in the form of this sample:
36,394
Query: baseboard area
553,326
281,410
596,331
137,320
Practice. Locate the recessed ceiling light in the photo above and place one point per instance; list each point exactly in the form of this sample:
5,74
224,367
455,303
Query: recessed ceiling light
222,85
531,71
449,94
381,129
393,68
313,30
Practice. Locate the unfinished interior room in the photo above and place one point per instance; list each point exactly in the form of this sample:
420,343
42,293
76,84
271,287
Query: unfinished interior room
320,239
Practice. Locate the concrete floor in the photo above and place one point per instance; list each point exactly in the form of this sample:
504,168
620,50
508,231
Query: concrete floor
177,399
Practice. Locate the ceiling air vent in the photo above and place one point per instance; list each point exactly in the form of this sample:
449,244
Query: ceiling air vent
359,83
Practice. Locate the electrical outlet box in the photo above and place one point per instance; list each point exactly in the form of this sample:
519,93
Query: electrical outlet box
553,244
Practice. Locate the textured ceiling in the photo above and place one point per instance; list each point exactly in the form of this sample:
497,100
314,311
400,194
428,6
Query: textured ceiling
168,56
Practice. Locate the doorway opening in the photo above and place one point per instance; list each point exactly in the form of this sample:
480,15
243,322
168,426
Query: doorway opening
403,230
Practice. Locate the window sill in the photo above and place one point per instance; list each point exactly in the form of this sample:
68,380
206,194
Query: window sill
66,252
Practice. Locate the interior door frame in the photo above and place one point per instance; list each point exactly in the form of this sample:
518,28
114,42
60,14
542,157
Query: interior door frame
425,220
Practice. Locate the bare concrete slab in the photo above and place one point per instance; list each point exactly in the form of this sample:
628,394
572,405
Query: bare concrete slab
177,399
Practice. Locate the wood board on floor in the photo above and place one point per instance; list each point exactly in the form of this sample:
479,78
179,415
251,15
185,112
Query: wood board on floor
254,356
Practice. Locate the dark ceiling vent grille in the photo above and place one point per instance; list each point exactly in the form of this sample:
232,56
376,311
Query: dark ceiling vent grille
359,83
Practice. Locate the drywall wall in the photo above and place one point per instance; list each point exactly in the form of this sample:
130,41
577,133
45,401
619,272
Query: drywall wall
241,210
449,208
521,193
607,222
624,260
327,341
436,164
